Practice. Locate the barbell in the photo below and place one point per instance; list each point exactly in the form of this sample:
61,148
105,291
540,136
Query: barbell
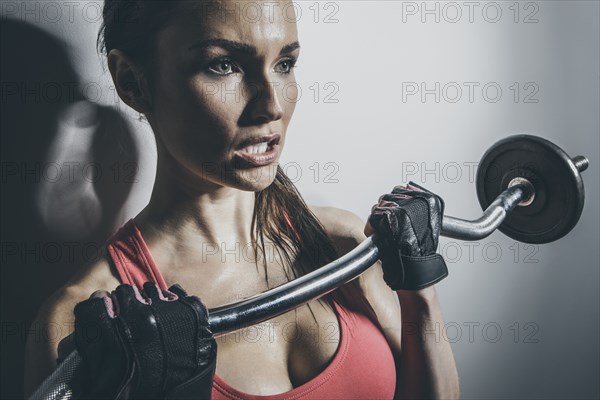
528,188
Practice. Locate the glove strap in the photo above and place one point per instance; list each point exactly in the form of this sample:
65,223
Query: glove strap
197,388
421,272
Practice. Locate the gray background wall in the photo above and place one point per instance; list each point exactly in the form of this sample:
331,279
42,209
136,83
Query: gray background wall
523,319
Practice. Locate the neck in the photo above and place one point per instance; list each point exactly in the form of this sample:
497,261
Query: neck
193,209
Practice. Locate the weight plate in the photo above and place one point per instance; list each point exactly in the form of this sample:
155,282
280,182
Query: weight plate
559,192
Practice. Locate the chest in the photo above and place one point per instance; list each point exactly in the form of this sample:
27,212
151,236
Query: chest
280,354
274,356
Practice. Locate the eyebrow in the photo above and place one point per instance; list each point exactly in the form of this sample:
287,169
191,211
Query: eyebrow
233,46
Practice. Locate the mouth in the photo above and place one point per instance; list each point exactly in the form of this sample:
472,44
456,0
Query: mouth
259,151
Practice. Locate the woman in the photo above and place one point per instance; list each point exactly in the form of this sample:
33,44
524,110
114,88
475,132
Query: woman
215,88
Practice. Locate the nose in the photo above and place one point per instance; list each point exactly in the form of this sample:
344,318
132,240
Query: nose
264,103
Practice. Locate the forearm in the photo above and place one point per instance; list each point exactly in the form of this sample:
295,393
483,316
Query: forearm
426,366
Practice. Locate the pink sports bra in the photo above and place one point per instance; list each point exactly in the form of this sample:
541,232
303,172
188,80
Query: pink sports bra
362,367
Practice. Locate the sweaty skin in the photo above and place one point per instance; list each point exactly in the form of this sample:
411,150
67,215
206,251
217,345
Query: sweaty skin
218,81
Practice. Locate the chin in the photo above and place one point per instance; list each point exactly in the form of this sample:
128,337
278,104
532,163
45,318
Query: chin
253,179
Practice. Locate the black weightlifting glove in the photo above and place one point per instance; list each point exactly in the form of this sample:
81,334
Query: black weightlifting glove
150,345
408,222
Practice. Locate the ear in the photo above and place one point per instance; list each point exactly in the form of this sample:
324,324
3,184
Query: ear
130,82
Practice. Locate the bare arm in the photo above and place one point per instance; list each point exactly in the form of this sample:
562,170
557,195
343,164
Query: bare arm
55,321
425,363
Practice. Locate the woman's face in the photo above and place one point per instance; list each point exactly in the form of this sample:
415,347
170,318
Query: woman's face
224,90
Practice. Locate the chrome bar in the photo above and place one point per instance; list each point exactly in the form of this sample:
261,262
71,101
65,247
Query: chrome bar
290,295
279,300
489,221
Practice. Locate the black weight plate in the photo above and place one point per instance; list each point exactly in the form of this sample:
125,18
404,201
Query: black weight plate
559,192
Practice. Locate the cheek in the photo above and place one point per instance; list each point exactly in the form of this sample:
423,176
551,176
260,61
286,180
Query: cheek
289,95
197,117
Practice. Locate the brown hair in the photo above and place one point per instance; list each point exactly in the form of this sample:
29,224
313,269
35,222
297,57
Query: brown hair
280,214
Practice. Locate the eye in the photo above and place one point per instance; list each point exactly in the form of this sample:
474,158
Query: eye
285,66
223,66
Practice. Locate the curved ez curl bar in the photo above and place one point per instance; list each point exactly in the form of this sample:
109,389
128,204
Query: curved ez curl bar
529,188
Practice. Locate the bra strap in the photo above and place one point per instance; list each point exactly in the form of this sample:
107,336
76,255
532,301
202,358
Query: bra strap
132,259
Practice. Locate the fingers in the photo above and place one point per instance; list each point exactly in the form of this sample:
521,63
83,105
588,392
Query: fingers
178,290
406,191
394,199
95,305
396,194
99,294
413,186
152,291
126,299
107,301
368,231
91,315
128,296
194,301
412,190
130,302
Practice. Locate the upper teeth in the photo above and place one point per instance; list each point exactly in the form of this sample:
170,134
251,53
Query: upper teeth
257,148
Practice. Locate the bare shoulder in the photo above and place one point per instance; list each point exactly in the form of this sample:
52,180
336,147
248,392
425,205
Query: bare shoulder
55,319
97,275
345,229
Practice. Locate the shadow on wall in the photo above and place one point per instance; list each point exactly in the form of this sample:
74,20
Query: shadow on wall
67,168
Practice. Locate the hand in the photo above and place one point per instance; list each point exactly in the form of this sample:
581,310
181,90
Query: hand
409,221
148,345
